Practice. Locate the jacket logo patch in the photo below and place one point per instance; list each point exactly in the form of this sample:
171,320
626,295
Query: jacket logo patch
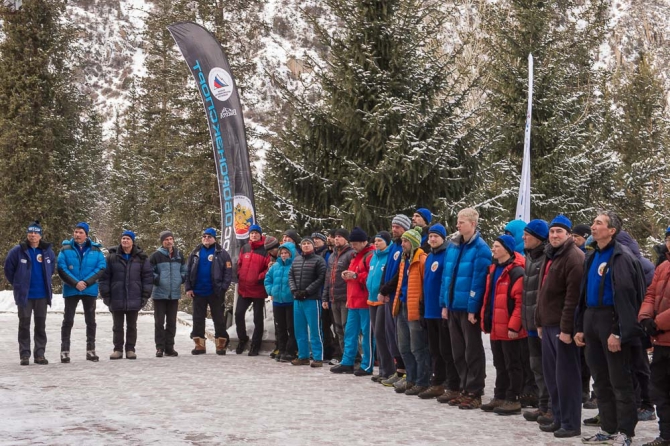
48,260
39,258
210,257
70,267
472,294
601,268
229,265
396,255
434,266
24,261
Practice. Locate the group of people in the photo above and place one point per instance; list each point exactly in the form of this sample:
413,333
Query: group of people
562,304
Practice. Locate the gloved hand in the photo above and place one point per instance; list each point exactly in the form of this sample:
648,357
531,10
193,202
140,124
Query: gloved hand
649,326
300,294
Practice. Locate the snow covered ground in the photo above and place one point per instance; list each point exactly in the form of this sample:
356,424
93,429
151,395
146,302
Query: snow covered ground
210,399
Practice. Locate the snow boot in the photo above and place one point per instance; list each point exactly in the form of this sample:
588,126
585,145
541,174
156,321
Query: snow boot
116,355
130,354
241,345
200,348
64,357
91,356
221,344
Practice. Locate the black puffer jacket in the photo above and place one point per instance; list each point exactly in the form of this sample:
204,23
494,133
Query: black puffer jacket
335,289
307,273
126,284
222,269
531,284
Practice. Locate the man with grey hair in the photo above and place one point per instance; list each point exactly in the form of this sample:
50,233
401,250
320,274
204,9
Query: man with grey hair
611,295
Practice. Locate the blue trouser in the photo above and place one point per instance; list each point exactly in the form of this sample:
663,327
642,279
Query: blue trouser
358,321
562,374
413,346
307,327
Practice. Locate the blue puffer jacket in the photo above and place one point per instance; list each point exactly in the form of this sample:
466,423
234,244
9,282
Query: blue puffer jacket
169,274
18,266
276,279
464,276
432,281
515,229
376,273
393,263
73,267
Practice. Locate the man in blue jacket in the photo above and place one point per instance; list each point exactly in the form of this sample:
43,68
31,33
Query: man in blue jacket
29,267
463,285
81,264
169,268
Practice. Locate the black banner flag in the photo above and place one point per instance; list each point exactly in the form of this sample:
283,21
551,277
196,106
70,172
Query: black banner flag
210,68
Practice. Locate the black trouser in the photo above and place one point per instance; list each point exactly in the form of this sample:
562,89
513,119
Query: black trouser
586,373
612,373
468,351
509,370
660,381
562,371
71,302
215,302
439,344
535,353
38,309
331,346
165,318
243,304
528,386
641,376
284,329
130,318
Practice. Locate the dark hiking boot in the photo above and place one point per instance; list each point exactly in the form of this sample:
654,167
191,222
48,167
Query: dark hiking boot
91,356
254,349
241,345
159,353
565,433
391,380
64,357
41,360
221,344
595,421
553,427
274,354
491,405
533,415
25,360
659,441
316,364
432,392
508,408
591,403
449,396
116,355
298,361
286,358
470,402
547,418
646,415
171,352
200,347
528,400
416,390
342,369
361,372
130,354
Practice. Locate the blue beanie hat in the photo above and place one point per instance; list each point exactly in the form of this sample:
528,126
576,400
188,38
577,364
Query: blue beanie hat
562,222
538,229
209,231
256,228
358,235
34,227
508,243
439,230
667,232
426,214
128,233
83,225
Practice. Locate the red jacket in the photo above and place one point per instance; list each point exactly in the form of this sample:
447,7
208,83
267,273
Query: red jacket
357,291
656,304
499,319
252,265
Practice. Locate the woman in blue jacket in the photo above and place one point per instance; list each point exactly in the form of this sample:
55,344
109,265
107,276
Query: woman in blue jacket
277,287
377,314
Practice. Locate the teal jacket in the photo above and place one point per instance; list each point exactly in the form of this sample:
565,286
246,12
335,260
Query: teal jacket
73,267
169,274
376,274
276,279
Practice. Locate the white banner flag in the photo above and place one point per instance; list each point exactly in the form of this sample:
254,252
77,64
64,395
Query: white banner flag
523,204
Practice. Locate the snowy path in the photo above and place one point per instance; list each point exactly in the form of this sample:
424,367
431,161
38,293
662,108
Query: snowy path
224,400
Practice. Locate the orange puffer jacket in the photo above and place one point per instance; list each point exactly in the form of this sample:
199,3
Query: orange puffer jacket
414,286
506,311
656,304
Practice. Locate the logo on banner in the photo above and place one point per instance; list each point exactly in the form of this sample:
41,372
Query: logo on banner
227,112
244,216
221,84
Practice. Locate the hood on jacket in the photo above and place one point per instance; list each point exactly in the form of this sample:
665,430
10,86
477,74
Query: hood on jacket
291,248
515,229
625,239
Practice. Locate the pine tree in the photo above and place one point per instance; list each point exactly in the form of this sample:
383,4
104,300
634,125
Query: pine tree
571,167
386,130
50,139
